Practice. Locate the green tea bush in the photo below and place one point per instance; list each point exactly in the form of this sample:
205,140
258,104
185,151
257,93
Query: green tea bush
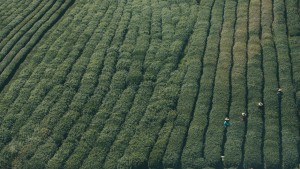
292,14
193,147
128,128
157,153
173,152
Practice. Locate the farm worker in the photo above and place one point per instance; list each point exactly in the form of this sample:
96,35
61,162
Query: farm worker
279,92
244,117
226,122
260,104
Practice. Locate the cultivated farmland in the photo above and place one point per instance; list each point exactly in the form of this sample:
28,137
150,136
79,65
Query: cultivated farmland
146,84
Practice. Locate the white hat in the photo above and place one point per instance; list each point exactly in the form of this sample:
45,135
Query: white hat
243,114
260,104
226,118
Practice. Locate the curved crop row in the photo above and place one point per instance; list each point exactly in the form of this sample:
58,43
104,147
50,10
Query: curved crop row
293,27
9,43
295,51
33,71
157,52
255,127
86,89
289,120
20,56
192,155
188,89
62,128
29,106
42,57
114,119
99,94
272,140
292,17
133,79
233,150
216,61
10,9
147,84
162,101
75,81
169,21
20,20
58,72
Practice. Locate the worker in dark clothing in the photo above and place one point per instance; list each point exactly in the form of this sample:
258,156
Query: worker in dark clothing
244,117
279,92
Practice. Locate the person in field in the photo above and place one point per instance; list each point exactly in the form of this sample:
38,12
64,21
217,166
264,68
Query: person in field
260,105
226,122
243,117
279,92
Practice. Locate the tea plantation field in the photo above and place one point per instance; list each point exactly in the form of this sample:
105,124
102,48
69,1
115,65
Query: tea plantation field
146,84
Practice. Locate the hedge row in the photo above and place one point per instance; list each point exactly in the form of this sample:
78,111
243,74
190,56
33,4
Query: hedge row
62,128
19,22
233,151
110,130
88,83
255,129
23,99
129,126
33,71
108,100
181,36
295,51
16,39
117,117
32,38
272,140
65,68
101,95
134,78
10,9
293,19
218,62
192,155
289,120
162,101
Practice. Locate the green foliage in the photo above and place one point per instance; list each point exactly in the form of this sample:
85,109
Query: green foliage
146,84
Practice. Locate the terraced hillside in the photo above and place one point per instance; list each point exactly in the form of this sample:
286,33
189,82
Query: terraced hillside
146,84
